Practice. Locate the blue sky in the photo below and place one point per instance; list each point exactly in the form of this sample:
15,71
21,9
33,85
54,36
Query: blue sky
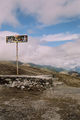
52,25
28,22
29,25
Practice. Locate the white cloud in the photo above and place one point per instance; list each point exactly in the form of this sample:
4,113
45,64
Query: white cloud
51,11
67,55
7,51
60,37
8,12
47,12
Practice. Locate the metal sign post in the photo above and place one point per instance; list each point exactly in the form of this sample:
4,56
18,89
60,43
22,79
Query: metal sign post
17,39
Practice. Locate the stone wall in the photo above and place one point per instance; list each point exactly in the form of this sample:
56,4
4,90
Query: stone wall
27,82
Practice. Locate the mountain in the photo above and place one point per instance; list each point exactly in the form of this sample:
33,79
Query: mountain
74,69
9,68
41,67
77,69
57,69
49,67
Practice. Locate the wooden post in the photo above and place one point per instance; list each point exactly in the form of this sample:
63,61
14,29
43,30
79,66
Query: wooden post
17,58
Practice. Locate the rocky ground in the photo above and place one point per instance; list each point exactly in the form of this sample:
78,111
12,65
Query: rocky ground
60,102
38,97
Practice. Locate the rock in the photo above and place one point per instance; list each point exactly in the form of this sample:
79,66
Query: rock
37,86
47,83
13,84
30,86
22,87
18,86
10,82
18,82
17,79
6,102
41,86
57,83
8,79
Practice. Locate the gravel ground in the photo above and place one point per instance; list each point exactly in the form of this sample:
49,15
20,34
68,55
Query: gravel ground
58,103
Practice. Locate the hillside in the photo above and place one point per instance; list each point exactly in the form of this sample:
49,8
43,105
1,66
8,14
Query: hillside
49,67
9,68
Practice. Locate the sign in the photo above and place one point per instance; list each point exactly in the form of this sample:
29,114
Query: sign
17,38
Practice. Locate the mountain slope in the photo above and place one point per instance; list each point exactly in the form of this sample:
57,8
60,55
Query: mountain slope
9,68
49,67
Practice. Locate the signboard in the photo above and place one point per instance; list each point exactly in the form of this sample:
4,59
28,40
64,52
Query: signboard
17,38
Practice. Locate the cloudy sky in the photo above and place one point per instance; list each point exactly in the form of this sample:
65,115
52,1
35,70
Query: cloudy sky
52,26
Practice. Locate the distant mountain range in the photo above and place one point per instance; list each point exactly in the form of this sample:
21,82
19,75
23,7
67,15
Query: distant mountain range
47,67
75,69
